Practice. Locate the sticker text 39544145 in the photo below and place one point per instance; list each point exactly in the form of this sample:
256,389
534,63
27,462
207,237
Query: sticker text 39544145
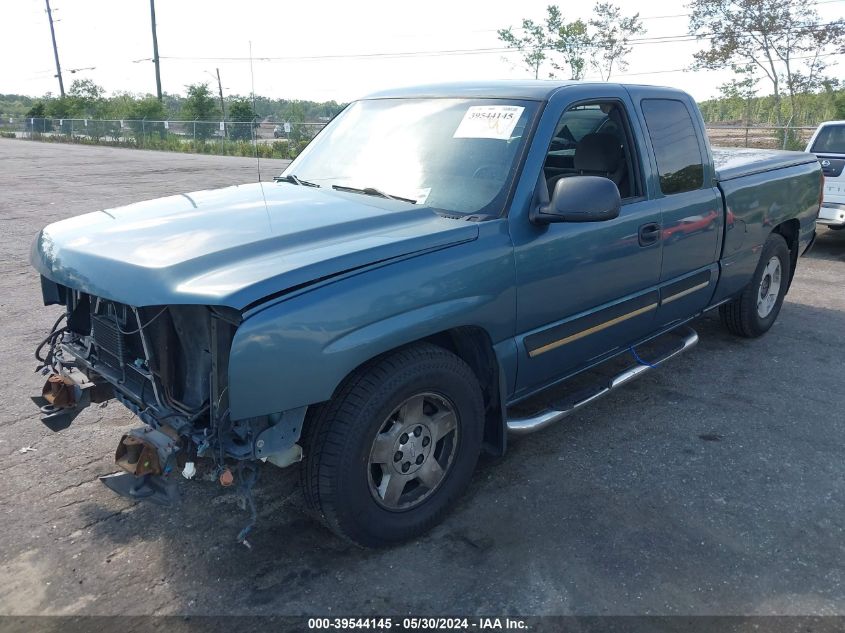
495,121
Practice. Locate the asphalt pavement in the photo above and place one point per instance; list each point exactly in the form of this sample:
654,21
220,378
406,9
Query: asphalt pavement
713,486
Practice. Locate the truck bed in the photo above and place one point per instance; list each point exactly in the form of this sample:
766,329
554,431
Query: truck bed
732,162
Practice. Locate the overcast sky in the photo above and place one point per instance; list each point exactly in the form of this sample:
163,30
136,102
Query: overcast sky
110,43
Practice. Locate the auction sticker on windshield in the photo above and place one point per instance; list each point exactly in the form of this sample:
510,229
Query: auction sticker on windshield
497,121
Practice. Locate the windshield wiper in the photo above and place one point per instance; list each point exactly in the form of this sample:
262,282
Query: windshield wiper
295,181
371,191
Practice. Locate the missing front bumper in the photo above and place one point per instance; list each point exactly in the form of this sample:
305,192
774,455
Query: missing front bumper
159,490
147,456
64,395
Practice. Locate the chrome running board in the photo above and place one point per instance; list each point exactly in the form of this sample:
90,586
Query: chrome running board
529,424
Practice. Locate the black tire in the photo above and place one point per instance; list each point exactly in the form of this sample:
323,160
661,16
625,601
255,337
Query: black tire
341,438
740,315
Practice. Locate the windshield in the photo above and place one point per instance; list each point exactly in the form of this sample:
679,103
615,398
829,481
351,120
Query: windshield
458,155
831,140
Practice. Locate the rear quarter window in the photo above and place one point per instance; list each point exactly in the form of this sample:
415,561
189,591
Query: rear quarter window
672,132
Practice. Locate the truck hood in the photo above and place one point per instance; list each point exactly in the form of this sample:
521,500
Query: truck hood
228,247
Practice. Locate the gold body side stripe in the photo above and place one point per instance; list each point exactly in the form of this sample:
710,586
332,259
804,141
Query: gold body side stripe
684,293
596,328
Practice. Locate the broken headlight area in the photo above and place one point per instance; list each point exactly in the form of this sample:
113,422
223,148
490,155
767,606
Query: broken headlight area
168,365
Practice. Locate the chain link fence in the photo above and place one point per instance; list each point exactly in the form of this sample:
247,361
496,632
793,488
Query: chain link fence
283,140
761,136
286,139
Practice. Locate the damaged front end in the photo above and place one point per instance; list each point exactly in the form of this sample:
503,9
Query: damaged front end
168,365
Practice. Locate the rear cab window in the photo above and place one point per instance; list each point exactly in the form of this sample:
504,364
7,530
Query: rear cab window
680,162
830,140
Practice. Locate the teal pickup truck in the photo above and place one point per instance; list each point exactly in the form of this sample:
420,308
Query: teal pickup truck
441,267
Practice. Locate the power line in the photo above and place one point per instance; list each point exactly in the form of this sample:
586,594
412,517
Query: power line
644,41
661,39
430,53
666,39
635,74
688,69
434,53
686,15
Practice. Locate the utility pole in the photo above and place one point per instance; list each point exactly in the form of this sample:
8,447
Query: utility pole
55,50
222,103
155,48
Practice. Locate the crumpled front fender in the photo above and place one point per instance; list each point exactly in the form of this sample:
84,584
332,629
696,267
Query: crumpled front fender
296,352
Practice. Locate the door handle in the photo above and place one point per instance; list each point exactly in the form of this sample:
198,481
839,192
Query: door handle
649,233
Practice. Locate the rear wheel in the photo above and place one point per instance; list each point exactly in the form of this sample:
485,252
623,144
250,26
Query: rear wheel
395,447
755,310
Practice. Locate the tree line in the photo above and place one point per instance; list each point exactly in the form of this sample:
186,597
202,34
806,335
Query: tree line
87,100
733,108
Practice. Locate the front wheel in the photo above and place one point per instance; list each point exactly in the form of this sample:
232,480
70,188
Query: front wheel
395,447
755,310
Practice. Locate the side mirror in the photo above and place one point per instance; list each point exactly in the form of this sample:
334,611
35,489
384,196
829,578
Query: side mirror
580,199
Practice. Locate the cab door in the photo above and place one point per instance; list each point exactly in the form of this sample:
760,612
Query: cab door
584,289
691,205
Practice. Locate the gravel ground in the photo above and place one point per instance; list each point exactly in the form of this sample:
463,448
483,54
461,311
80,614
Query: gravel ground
716,487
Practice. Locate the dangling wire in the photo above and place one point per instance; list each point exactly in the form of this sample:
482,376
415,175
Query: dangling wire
640,360
140,327
248,475
51,339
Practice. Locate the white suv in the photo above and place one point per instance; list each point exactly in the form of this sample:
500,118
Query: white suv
828,144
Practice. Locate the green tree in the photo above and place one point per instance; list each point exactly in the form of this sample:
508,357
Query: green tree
37,111
533,44
562,44
173,106
738,96
296,114
741,92
612,33
15,105
784,40
146,116
818,106
243,120
36,120
200,105
87,98
574,43
147,107
604,41
60,108
839,106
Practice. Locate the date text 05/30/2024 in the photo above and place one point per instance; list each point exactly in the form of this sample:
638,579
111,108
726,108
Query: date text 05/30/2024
410,623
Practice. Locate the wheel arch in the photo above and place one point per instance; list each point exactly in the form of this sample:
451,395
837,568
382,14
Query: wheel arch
790,231
473,345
